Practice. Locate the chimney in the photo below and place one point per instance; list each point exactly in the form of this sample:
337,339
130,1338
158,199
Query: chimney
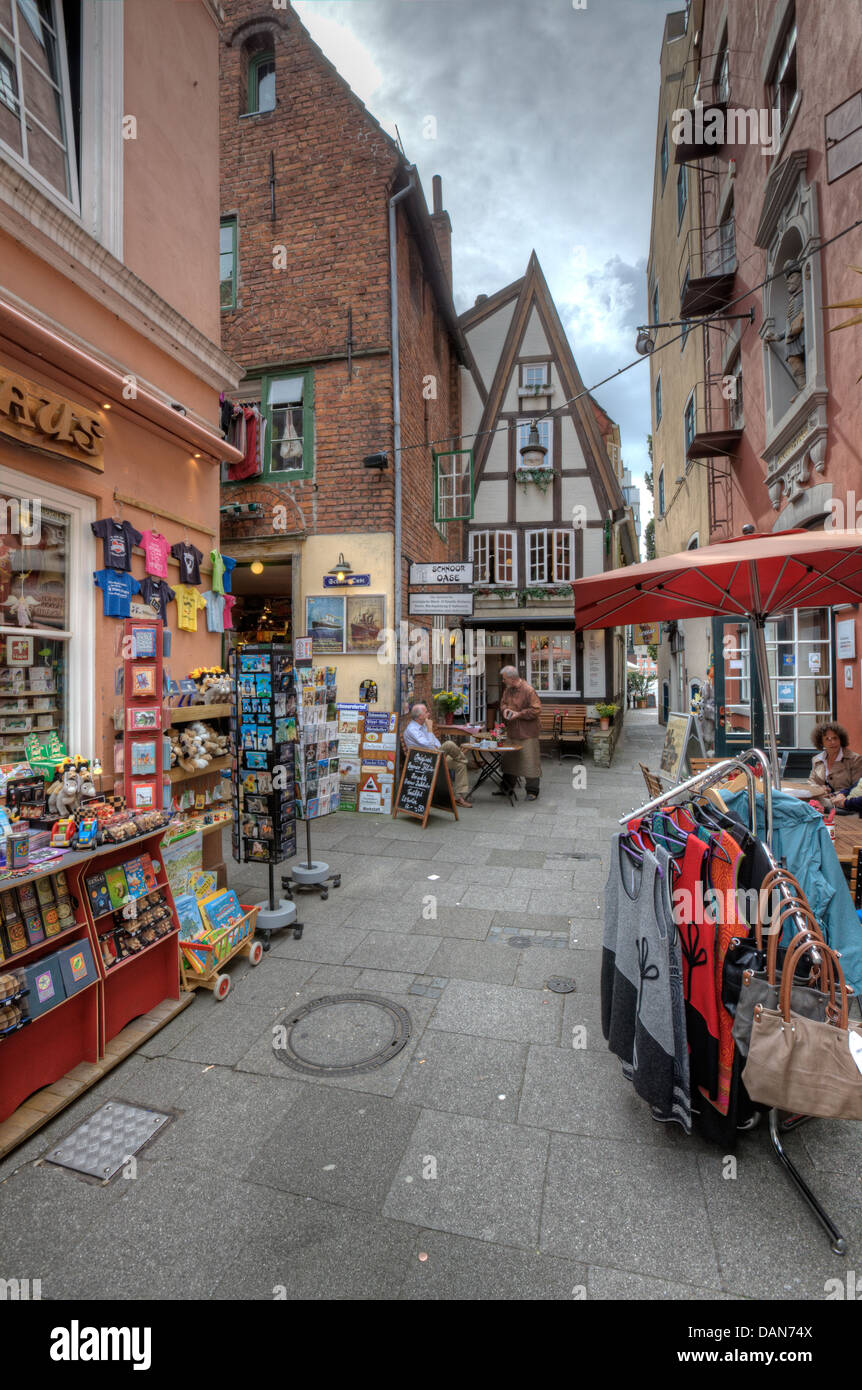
442,228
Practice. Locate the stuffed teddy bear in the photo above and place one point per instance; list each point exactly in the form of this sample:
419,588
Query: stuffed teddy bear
67,797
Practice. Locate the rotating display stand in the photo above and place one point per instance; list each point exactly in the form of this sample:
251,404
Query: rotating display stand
263,733
317,777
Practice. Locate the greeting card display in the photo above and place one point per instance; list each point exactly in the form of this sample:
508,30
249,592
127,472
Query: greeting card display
263,731
317,779
143,682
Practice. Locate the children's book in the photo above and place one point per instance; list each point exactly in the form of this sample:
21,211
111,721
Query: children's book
135,878
118,888
149,873
97,892
189,914
222,909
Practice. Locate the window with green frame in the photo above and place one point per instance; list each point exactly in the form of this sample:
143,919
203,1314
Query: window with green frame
453,485
227,263
287,402
261,83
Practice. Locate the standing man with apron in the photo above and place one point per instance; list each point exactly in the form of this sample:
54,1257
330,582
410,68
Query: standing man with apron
520,708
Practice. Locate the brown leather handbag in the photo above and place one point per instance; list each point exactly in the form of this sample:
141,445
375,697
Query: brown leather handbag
762,986
801,1064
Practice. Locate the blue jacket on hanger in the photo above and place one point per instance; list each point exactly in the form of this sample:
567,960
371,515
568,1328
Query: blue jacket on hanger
801,842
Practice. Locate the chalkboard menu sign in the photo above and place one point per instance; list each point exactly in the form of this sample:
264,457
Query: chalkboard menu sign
419,777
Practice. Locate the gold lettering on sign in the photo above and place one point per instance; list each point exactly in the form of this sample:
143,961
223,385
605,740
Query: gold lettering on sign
32,415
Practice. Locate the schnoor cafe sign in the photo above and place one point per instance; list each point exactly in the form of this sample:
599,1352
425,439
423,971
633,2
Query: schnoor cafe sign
32,415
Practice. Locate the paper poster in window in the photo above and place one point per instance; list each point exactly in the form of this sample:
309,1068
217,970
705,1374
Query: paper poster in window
19,651
324,621
594,664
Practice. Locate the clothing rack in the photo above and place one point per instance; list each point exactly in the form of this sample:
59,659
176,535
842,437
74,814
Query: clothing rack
717,773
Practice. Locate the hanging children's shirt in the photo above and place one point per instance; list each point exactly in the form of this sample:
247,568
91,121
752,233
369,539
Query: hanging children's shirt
215,609
117,538
227,615
189,601
156,551
158,595
189,559
229,565
117,587
218,572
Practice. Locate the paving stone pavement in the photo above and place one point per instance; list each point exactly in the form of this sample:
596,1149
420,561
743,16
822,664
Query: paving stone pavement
499,1154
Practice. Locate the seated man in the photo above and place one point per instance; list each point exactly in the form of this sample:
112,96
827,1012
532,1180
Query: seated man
420,734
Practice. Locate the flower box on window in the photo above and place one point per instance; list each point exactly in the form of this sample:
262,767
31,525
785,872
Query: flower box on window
542,477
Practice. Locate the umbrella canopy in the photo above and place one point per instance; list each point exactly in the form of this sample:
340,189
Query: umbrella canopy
748,577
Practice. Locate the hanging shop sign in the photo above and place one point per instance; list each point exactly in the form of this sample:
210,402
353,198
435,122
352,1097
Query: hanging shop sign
646,634
442,573
350,581
454,605
32,415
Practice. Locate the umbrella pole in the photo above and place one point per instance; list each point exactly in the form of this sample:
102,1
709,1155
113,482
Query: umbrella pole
759,643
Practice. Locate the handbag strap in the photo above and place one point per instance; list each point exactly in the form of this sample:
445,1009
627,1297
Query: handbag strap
770,883
836,976
810,930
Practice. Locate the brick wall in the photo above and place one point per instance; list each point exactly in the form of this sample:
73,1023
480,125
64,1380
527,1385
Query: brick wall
334,171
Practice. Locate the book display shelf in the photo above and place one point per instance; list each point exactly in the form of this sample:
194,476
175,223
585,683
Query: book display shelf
88,977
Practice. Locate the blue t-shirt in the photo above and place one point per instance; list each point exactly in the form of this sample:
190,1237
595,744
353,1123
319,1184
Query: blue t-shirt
215,610
117,587
229,565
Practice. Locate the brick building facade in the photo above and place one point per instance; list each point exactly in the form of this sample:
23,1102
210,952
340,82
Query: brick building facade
307,175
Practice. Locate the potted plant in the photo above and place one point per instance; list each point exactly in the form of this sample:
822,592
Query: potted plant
451,702
639,683
606,713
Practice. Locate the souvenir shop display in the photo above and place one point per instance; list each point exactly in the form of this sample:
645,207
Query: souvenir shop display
317,770
31,701
725,987
263,733
87,944
143,759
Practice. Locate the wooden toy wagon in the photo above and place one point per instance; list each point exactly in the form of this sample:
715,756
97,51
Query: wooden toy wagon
202,961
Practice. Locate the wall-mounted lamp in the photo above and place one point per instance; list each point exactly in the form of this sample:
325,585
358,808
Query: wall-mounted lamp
533,452
375,461
341,570
256,567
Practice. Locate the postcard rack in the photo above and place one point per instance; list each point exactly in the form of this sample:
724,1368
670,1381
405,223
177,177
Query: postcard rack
717,773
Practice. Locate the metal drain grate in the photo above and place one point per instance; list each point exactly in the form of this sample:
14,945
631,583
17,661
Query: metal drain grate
342,1034
102,1144
561,984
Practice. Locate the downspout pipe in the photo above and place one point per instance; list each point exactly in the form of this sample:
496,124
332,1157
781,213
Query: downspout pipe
396,418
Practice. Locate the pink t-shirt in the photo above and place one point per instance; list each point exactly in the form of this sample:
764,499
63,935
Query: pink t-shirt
227,619
156,552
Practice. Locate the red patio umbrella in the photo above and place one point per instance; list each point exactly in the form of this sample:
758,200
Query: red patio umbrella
751,577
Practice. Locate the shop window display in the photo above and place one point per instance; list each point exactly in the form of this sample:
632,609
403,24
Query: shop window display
34,603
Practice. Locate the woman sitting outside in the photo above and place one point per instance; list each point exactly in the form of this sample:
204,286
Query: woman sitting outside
835,768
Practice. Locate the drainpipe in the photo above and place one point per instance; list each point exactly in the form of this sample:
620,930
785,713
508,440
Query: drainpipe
396,417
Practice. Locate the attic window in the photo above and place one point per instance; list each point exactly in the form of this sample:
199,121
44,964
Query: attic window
261,83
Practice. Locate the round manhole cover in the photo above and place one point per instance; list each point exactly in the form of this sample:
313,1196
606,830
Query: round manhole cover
341,1034
561,984
520,942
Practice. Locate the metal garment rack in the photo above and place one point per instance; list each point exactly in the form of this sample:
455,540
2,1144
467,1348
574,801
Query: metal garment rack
744,763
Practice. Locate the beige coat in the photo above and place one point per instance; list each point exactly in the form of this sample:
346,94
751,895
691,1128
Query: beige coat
844,774
523,729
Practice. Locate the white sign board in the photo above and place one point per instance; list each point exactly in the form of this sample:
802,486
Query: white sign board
442,573
845,639
458,605
594,663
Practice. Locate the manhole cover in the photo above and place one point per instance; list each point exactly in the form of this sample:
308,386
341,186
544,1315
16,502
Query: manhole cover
560,984
520,943
342,1034
101,1145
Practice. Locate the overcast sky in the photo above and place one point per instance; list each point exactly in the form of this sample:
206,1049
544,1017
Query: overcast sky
545,139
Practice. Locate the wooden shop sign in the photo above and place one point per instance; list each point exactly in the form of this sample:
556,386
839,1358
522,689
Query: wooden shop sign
32,415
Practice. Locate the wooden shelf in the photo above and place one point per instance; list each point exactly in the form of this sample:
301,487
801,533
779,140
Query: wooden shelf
111,971
184,713
38,945
16,694
179,774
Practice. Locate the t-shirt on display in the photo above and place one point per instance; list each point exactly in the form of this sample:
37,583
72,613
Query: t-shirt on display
158,595
117,587
117,539
189,601
189,559
156,553
215,609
